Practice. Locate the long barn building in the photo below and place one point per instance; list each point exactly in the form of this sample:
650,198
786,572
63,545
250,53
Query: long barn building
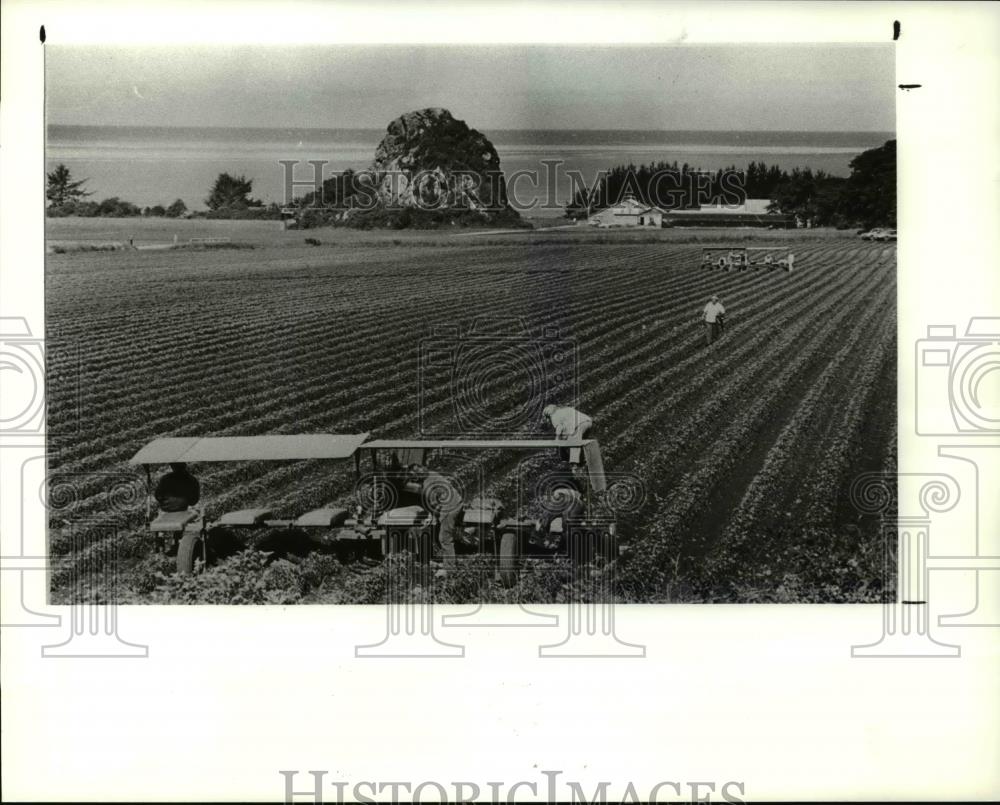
633,213
752,212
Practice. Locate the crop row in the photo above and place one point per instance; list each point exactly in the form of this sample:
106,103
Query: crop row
749,406
243,423
654,390
294,353
765,499
668,531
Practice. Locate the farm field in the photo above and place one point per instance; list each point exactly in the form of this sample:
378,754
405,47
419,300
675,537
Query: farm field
744,450
271,233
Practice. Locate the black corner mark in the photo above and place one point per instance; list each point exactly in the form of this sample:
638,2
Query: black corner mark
895,30
908,87
41,34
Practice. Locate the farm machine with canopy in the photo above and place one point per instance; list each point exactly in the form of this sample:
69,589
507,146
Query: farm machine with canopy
388,512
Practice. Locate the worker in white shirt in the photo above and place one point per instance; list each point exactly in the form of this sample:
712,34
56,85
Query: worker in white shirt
713,315
568,424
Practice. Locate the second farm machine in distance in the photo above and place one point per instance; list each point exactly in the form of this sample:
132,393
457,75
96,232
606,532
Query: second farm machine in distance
744,258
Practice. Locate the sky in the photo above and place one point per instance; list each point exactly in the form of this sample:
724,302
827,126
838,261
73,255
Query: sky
724,87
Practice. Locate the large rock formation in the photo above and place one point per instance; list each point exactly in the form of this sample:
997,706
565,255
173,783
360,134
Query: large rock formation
429,160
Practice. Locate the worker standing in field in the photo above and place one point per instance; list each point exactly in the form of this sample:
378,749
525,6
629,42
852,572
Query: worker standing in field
440,496
178,490
569,424
713,315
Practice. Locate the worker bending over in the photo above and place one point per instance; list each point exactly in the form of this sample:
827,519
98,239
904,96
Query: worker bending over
440,496
569,424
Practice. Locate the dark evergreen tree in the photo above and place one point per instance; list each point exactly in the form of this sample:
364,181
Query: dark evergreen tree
232,193
870,193
61,189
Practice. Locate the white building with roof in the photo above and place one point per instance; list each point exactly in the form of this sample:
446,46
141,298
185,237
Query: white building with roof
752,206
628,212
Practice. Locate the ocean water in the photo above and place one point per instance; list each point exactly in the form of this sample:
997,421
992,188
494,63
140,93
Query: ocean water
155,165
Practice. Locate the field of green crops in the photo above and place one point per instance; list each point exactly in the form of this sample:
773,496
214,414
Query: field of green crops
744,450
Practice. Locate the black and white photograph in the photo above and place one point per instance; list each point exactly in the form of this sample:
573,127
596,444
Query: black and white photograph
510,401
481,324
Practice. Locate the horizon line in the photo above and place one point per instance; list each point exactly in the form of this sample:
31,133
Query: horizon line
490,128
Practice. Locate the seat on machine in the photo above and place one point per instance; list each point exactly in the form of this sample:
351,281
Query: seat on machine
173,521
322,518
404,516
244,517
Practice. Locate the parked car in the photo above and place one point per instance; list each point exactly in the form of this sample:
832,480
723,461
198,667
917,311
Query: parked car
879,234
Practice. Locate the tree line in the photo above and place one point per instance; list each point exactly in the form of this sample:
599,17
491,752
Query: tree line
229,197
672,186
866,198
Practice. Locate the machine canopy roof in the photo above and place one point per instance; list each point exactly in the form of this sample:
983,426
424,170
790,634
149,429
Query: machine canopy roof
249,448
472,444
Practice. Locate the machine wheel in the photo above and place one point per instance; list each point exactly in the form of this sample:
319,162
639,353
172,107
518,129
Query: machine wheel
508,559
189,549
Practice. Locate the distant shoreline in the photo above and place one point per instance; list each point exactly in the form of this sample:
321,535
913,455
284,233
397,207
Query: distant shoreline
539,136
150,165
375,128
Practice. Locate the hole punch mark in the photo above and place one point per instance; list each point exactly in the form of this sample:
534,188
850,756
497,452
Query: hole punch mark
41,34
896,28
908,87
